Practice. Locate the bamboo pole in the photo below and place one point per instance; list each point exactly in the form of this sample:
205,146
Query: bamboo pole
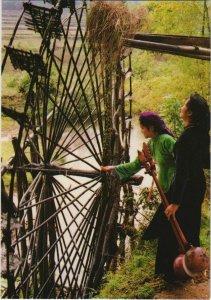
59,121
47,252
11,41
10,277
22,185
197,41
188,51
146,159
56,170
47,199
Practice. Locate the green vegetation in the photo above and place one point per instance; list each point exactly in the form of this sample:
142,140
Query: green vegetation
158,76
170,111
6,151
205,225
135,279
12,81
3,285
166,17
8,123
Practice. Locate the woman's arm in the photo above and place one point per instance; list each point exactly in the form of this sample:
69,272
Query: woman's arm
171,210
124,170
107,168
128,169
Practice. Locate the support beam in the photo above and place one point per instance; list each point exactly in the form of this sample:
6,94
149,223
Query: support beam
197,41
56,170
188,51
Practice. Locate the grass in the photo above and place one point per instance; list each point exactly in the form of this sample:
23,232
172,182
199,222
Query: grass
8,123
22,41
6,151
3,285
13,82
205,225
134,280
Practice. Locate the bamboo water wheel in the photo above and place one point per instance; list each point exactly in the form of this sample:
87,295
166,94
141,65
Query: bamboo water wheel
69,215
68,212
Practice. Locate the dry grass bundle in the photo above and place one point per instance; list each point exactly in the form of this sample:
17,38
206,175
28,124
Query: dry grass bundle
107,23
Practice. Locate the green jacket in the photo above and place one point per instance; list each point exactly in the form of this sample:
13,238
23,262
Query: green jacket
161,148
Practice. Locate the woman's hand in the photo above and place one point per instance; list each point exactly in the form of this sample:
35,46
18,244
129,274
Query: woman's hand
171,210
107,168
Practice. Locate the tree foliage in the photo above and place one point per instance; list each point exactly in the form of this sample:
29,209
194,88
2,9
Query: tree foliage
159,76
177,17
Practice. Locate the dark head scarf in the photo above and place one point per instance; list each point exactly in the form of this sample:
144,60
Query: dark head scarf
150,118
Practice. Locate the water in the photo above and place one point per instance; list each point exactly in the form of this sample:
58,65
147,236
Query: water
136,143
137,140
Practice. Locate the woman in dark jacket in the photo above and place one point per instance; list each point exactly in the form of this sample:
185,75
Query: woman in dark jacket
192,156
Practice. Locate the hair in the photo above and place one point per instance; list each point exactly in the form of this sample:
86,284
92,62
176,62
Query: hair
200,111
201,118
150,118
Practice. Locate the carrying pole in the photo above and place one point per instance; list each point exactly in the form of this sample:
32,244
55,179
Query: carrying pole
147,161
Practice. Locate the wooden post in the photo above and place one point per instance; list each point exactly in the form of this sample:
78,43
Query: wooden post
22,186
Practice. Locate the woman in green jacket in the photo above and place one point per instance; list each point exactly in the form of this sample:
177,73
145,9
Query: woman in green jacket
161,144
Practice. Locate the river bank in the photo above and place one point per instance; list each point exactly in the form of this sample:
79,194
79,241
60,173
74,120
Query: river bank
135,279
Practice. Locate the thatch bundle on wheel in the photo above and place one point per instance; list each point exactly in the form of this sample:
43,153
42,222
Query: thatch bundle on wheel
107,23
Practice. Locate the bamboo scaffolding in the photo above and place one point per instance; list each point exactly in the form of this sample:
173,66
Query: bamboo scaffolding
69,152
10,276
11,41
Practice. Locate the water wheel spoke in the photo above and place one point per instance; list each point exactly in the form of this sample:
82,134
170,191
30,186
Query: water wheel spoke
77,236
72,129
38,203
73,125
58,238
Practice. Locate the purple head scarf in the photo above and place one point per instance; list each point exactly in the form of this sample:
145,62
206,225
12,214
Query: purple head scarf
150,118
